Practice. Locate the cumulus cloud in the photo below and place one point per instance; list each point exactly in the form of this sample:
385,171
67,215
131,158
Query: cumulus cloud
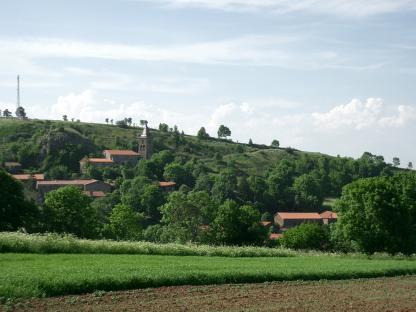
337,7
359,115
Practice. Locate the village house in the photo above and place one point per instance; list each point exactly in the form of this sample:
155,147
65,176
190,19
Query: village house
167,186
291,219
29,177
96,162
329,217
121,157
93,188
13,167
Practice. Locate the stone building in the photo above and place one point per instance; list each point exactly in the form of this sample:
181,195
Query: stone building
291,219
122,157
145,142
90,187
96,162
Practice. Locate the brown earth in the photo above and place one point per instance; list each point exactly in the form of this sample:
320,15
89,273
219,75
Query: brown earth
379,294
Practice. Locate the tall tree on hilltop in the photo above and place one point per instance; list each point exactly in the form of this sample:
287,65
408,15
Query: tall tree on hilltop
223,132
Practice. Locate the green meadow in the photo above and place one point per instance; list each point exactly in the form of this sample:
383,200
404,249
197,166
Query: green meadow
40,275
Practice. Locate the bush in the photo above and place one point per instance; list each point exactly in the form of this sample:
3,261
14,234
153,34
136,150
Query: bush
306,236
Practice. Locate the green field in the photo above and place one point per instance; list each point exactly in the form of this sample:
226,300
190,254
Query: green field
28,275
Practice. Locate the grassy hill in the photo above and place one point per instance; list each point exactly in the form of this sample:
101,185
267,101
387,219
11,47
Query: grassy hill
38,145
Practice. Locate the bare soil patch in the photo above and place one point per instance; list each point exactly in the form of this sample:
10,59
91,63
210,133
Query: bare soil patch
378,294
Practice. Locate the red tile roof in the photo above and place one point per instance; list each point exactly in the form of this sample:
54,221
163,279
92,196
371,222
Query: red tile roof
329,215
299,215
67,182
266,223
275,236
26,177
100,160
121,152
166,184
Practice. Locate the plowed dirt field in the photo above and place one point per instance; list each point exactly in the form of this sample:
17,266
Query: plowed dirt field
378,294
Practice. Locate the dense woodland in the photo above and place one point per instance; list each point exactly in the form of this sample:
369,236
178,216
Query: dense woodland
224,189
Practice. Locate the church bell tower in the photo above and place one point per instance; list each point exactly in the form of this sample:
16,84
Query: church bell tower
145,142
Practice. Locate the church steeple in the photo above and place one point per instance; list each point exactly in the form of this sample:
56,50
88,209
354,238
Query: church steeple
145,142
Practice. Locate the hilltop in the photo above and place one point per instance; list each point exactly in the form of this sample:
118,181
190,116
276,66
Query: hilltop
39,145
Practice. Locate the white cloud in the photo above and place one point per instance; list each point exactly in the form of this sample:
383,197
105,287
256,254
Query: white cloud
281,51
337,7
358,115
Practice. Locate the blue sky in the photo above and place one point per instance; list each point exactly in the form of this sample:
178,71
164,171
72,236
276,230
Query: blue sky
331,76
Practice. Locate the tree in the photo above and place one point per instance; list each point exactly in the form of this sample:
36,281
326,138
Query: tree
7,113
68,210
152,198
306,236
111,121
235,225
250,142
308,192
15,210
122,123
379,214
223,132
129,121
163,127
65,118
410,165
106,121
202,133
21,113
275,144
186,212
396,161
177,173
125,223
224,186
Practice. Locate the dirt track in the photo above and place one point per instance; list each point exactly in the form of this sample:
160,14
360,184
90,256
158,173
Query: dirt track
382,294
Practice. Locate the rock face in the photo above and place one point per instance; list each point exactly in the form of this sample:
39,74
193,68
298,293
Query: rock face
65,147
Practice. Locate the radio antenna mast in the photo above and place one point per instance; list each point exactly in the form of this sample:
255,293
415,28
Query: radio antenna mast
18,92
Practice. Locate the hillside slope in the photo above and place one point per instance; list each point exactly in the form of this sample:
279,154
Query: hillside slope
40,144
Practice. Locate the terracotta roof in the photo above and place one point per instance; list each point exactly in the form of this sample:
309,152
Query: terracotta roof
166,183
299,215
66,182
25,177
266,223
275,236
100,160
94,193
121,152
329,215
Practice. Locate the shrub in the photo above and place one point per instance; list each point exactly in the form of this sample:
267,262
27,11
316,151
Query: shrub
306,236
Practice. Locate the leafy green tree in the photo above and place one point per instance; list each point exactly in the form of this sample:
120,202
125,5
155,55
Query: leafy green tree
58,172
266,216
186,212
223,132
396,161
275,144
410,165
163,127
68,210
250,142
177,173
65,118
279,183
379,214
202,133
203,183
224,186
15,210
308,193
21,113
131,192
125,223
307,236
235,225
152,198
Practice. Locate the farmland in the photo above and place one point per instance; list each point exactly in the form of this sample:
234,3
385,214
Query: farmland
38,275
378,294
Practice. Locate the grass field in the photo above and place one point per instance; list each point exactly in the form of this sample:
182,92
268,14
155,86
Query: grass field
37,275
55,243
